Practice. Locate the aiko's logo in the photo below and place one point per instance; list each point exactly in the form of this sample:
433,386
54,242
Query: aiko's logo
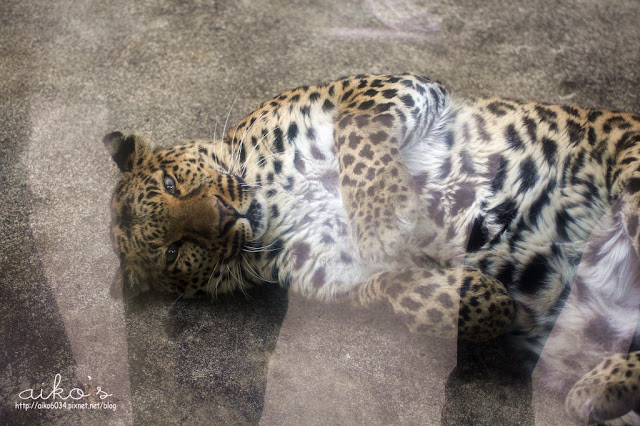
59,392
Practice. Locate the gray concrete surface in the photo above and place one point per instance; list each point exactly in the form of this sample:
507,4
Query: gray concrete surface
70,71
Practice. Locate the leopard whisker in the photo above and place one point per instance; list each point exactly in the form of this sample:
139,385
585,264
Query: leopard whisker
224,128
228,274
265,158
258,250
233,160
208,285
251,185
254,148
179,297
242,139
241,143
238,280
253,272
247,129
261,247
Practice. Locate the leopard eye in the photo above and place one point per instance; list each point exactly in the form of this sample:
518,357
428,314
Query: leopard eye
169,184
171,254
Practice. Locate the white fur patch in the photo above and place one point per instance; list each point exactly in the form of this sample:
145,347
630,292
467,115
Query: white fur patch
600,315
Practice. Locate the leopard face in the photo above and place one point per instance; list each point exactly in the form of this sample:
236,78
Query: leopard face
181,220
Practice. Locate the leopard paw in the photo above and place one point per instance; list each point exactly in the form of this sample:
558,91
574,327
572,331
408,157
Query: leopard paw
609,391
486,308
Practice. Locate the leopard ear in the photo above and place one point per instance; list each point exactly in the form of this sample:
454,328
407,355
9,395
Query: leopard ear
124,150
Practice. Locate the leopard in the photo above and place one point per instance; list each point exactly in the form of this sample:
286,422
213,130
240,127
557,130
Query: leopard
465,217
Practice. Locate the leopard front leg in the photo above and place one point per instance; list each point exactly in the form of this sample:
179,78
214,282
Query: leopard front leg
378,194
375,120
441,303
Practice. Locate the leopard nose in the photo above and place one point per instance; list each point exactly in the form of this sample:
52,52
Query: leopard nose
227,216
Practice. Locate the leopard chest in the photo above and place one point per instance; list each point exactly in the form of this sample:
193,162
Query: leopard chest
317,256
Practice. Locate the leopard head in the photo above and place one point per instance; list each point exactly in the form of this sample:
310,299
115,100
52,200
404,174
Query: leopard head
181,220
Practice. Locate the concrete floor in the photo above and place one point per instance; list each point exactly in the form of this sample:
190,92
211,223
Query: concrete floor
70,71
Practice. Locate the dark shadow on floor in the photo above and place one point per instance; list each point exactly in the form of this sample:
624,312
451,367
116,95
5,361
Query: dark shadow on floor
209,363
489,386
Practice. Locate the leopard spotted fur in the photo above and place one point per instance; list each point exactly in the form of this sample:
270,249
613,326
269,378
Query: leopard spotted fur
468,216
